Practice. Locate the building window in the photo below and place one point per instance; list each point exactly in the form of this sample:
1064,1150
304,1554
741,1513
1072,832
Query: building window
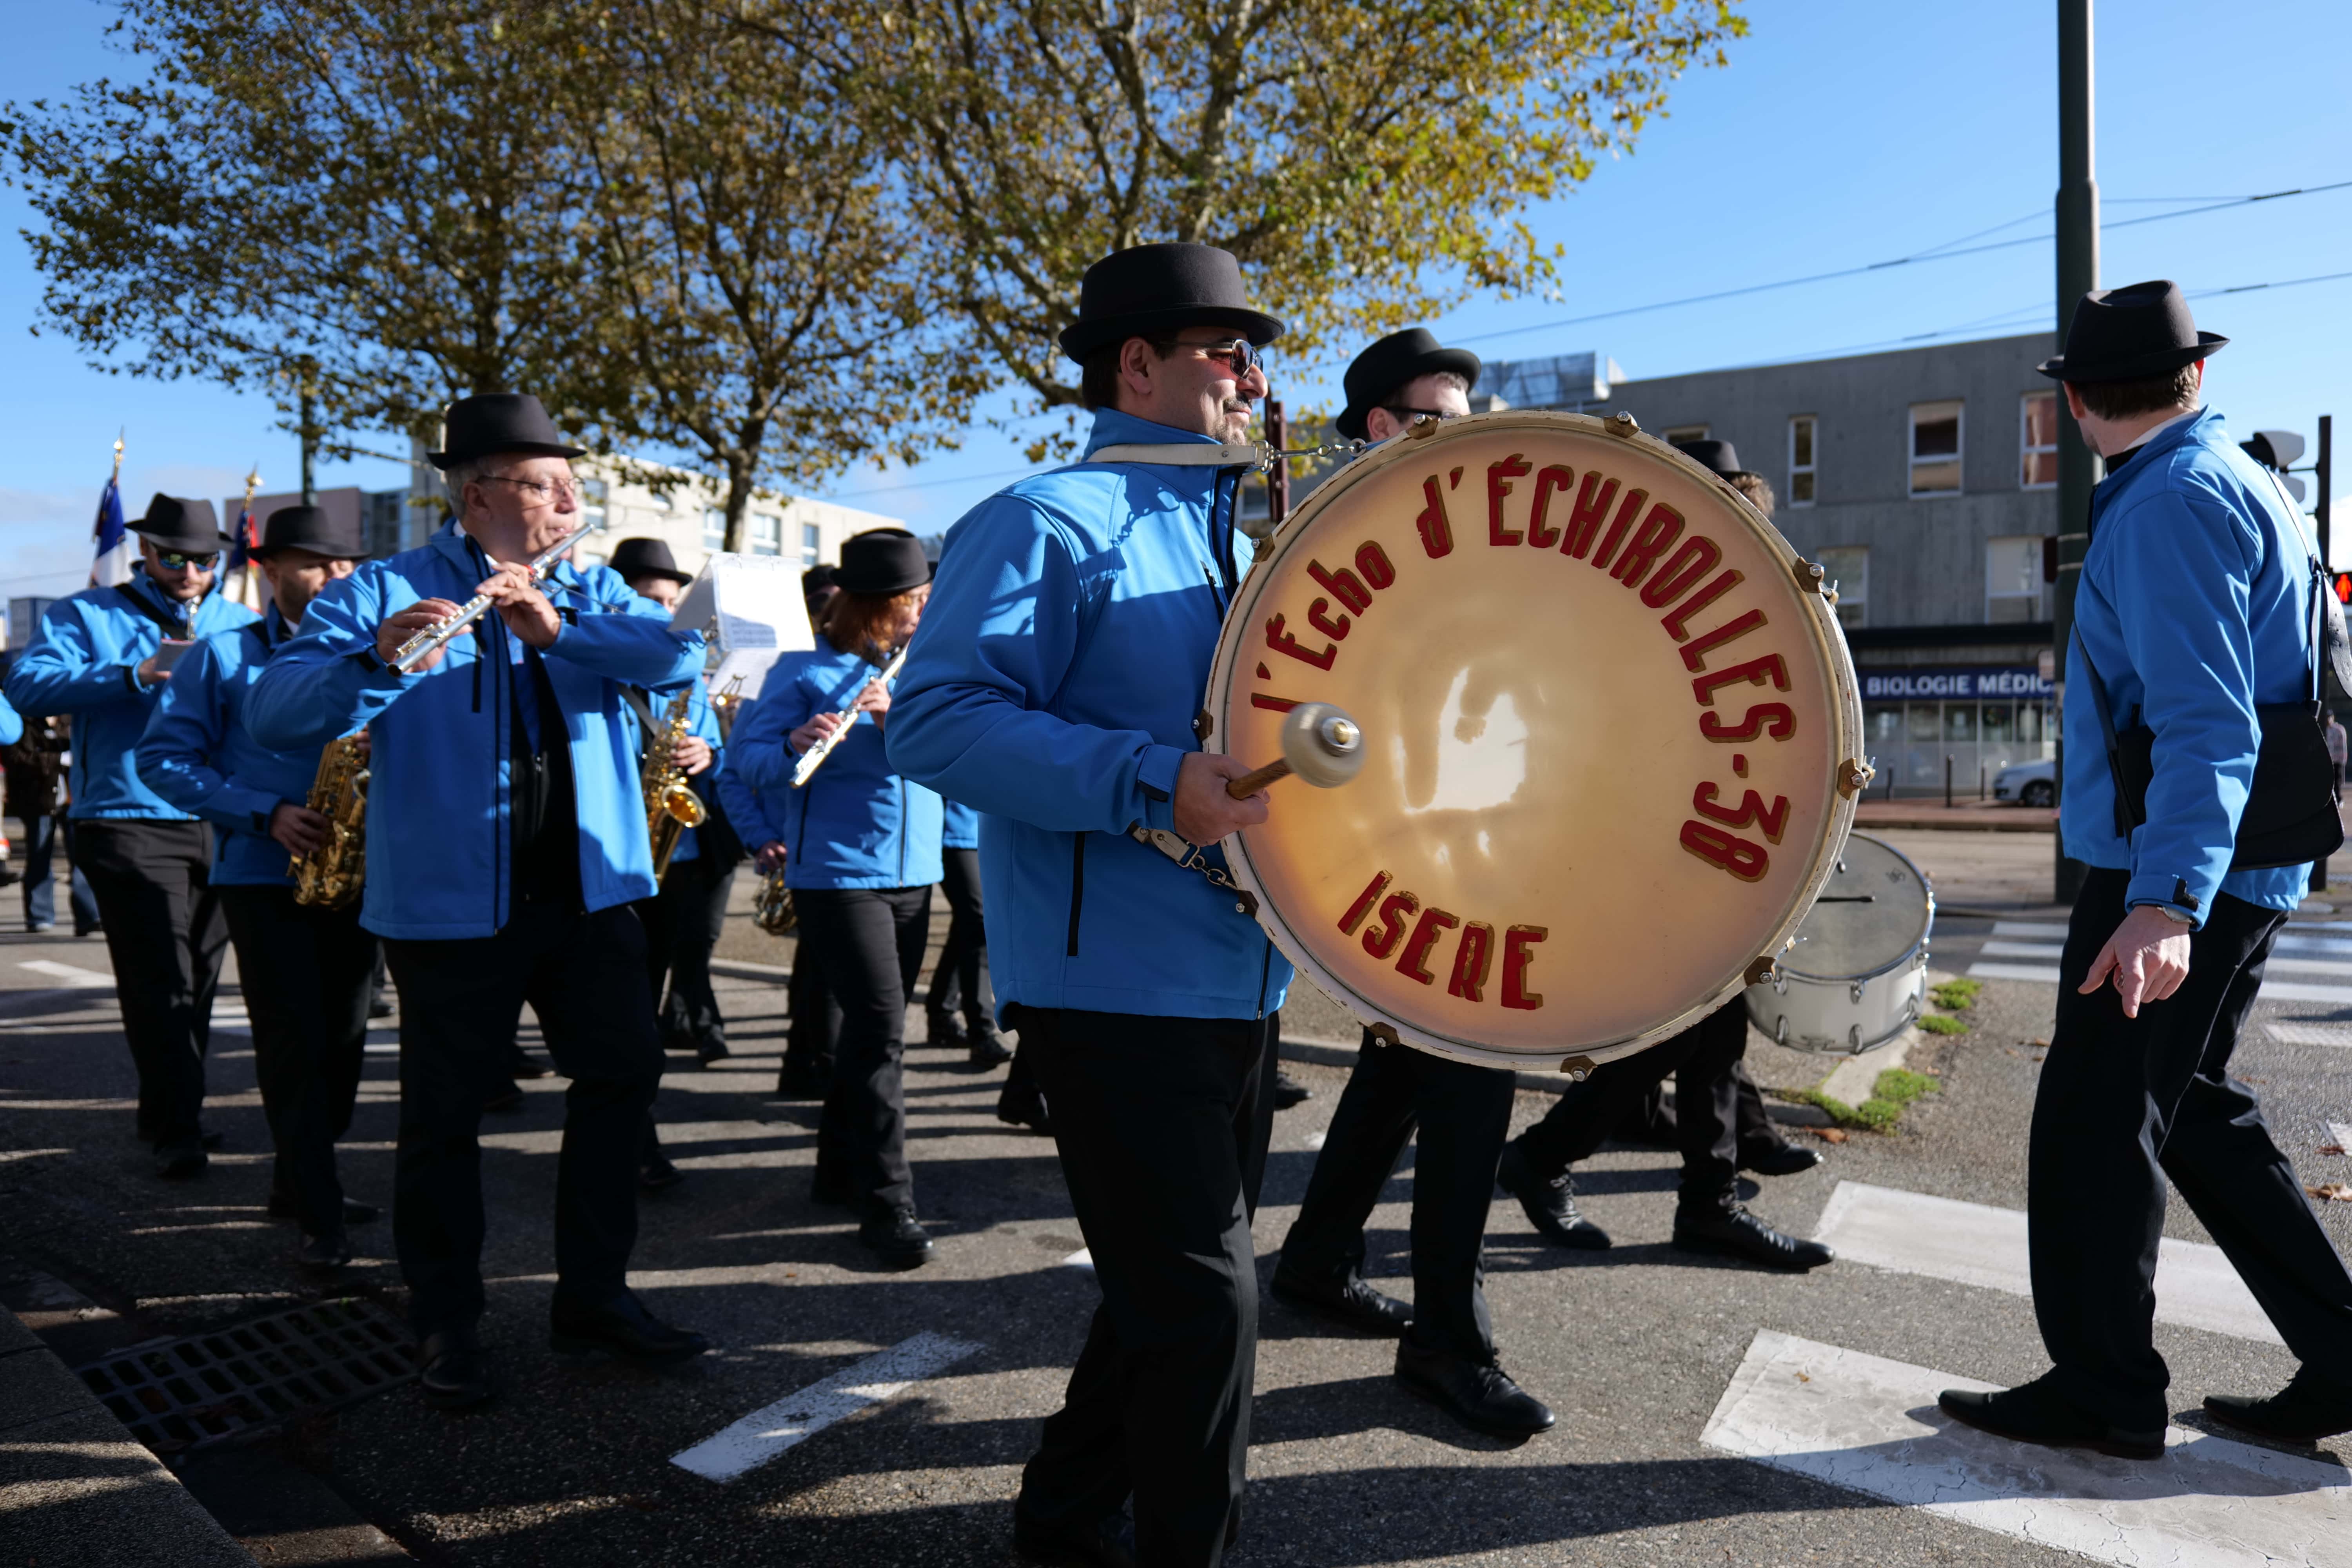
1936,448
1675,435
767,534
1800,462
2037,423
1848,566
714,528
809,542
2013,579
592,503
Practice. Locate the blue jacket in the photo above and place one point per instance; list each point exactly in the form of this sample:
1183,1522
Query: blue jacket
198,754
439,851
855,824
84,662
2196,606
1053,686
960,828
747,811
701,722
11,724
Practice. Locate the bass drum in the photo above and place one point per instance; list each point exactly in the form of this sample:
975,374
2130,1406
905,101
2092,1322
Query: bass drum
1613,739
1858,975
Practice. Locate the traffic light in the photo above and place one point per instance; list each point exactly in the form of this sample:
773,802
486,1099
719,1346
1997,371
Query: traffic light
2278,450
2344,587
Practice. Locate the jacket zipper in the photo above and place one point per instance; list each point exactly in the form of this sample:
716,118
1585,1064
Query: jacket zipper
1077,886
1265,974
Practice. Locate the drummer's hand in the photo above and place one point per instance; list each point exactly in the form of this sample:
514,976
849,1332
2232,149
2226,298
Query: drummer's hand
419,617
814,731
1205,812
2149,955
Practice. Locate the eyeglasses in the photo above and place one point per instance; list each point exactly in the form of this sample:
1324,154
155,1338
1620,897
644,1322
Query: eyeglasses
179,561
1410,414
546,492
1240,354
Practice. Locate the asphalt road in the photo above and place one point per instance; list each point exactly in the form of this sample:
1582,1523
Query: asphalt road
1634,1347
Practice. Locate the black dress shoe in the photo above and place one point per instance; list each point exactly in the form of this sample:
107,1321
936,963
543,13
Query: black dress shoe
1349,1301
449,1370
282,1207
1734,1232
987,1052
944,1030
323,1253
1023,1105
1288,1091
2304,1411
380,1008
896,1237
1095,1543
181,1159
2033,1413
711,1051
1549,1204
1478,1394
523,1065
658,1172
1779,1159
621,1326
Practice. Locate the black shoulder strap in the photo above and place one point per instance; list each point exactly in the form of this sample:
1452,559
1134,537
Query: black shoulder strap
642,706
140,606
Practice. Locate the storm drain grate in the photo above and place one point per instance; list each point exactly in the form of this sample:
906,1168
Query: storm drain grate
182,1394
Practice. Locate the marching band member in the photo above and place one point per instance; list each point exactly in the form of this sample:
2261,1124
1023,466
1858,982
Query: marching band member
1712,1125
1054,687
306,970
813,1020
99,657
505,841
960,983
863,852
1446,1347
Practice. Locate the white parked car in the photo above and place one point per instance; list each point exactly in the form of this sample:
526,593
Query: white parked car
2028,783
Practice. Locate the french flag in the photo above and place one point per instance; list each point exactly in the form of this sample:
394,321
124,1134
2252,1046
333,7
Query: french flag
111,568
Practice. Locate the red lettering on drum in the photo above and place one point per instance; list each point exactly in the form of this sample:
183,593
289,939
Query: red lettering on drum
1436,531
1695,654
1471,959
1750,812
1263,673
1511,467
1754,672
1432,924
1379,940
1454,478
1342,586
1692,560
1283,642
1772,718
1363,904
1323,623
1373,562
1616,535
1725,851
1554,477
1678,624
1517,941
1584,519
1658,531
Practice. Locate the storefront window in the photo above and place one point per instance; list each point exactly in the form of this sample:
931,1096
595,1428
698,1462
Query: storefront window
1960,720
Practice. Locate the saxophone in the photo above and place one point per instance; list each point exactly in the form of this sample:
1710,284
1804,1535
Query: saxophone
671,807
772,909
331,879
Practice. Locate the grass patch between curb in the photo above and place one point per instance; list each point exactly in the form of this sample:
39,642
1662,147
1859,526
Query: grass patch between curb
1937,1024
1895,1088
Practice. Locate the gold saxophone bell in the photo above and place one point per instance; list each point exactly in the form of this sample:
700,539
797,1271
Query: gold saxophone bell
671,804
331,879
772,910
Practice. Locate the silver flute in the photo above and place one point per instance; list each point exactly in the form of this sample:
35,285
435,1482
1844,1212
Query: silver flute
437,635
848,716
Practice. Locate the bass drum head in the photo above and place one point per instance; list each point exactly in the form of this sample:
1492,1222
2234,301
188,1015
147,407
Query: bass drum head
1875,913
1612,735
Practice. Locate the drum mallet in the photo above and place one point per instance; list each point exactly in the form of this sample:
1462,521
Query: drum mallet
1319,744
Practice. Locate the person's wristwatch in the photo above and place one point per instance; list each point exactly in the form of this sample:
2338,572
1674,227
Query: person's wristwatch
2175,916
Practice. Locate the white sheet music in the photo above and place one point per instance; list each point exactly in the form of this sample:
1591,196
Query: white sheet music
751,607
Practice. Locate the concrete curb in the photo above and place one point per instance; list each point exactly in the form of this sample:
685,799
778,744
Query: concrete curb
76,1487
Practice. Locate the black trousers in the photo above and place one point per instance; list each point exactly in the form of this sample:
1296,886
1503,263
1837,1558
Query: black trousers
813,1018
682,924
867,942
961,982
1705,1106
42,832
165,934
1652,1121
584,976
1464,1114
1162,1125
2125,1102
307,973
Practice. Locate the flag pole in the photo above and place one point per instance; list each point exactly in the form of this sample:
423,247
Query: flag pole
248,587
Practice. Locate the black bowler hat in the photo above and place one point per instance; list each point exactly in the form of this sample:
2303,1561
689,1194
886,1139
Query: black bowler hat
1149,288
635,558
816,579
1717,456
1381,370
882,560
2131,333
496,422
189,527
307,528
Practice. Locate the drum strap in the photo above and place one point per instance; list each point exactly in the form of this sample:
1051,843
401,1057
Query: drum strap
1190,858
1190,455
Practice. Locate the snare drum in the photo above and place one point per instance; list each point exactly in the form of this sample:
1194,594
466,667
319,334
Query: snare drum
1613,738
1857,977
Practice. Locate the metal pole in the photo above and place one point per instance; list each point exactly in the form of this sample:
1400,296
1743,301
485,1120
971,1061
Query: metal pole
1277,477
2078,274
1948,780
2322,473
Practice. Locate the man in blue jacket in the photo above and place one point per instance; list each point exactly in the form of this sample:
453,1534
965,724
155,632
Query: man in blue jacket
505,841
1053,687
306,970
103,655
2196,605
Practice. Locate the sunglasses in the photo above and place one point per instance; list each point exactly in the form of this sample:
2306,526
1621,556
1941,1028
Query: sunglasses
1241,355
1410,414
179,561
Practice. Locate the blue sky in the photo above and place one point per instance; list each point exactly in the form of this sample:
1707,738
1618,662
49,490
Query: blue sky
1842,133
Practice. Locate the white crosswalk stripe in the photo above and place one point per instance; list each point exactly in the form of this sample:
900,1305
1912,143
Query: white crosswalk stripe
2008,961
796,1417
66,973
1871,1425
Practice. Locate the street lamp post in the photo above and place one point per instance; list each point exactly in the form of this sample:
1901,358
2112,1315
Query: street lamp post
2078,274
